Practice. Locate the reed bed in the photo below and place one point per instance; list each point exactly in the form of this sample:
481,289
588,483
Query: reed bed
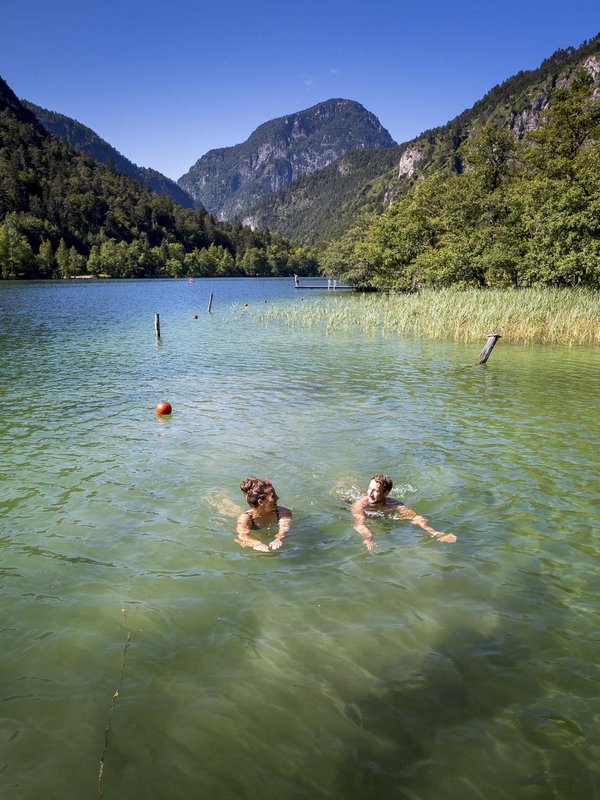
557,316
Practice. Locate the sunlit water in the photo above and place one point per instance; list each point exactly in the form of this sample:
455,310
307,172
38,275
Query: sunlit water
424,670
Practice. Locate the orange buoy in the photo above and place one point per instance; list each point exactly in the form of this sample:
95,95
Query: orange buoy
163,408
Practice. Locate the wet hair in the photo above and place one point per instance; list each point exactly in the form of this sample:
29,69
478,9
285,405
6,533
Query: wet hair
255,489
384,481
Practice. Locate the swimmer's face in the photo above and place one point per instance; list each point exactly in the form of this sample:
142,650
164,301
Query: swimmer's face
375,493
269,501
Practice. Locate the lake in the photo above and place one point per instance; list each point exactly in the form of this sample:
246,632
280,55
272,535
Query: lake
146,656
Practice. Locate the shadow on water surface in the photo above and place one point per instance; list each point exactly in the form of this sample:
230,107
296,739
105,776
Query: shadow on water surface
487,716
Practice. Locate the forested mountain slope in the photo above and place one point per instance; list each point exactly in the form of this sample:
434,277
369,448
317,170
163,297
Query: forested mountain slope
321,206
521,212
64,214
86,141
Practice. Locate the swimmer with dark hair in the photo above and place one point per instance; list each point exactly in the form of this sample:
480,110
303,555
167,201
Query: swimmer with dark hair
264,513
376,500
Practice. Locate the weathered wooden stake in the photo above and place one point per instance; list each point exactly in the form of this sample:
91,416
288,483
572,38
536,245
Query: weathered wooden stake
489,346
157,325
210,302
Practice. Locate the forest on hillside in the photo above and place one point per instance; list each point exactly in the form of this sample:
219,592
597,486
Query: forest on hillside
62,214
524,212
323,205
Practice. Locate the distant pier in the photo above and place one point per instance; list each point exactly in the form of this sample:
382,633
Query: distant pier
330,285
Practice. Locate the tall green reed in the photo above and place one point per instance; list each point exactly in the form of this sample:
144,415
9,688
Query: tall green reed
559,316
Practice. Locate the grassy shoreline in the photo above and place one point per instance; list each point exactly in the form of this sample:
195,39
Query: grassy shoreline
549,316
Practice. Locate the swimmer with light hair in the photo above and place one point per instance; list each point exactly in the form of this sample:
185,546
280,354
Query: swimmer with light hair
376,500
264,513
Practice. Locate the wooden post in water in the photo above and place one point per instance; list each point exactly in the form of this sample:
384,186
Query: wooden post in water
157,325
489,346
210,299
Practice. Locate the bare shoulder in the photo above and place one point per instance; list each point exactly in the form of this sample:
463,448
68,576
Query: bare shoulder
359,505
245,518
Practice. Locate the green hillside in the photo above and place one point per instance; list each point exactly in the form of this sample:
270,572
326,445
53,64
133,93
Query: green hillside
321,206
520,212
86,141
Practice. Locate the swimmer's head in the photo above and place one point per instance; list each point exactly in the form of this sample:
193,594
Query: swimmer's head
379,487
257,489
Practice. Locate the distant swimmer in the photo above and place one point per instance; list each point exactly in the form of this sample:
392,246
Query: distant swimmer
376,501
264,512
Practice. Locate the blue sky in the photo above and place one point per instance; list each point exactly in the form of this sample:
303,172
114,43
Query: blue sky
164,82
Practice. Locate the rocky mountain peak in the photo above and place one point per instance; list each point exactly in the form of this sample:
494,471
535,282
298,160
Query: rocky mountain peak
231,180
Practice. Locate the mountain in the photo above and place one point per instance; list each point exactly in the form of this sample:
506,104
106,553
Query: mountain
85,140
230,180
321,206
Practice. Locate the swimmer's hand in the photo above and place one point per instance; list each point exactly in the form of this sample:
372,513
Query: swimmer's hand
275,544
253,543
369,544
446,537
417,519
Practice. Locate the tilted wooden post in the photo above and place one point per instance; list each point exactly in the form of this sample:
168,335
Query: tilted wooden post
210,299
157,325
489,346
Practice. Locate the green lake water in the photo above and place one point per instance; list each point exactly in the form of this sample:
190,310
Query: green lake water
145,656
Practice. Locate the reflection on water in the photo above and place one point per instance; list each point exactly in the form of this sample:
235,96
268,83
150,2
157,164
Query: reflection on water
425,670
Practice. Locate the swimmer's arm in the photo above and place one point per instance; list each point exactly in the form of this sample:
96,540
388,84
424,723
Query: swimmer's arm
407,513
244,538
285,523
360,523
